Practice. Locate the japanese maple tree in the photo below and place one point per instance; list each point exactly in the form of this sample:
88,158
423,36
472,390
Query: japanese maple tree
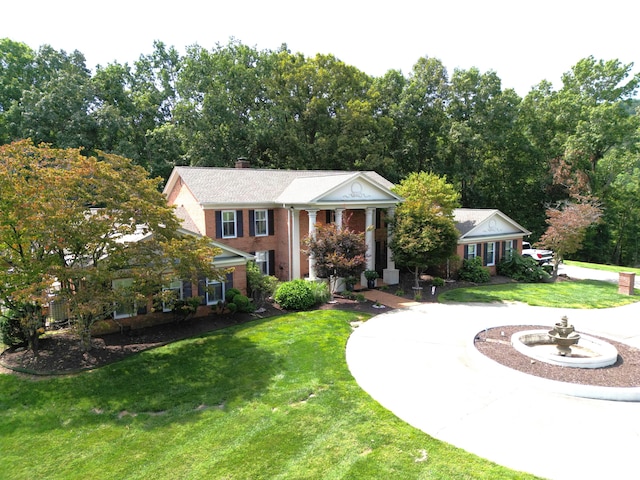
568,223
71,225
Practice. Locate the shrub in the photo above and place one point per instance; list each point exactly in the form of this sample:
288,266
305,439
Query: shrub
437,282
321,292
522,269
260,286
295,295
184,308
230,294
360,297
11,333
232,307
473,271
243,303
400,292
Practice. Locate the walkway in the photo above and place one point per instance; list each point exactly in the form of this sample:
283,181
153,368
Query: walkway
420,363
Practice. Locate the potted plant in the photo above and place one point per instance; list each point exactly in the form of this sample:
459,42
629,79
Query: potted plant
371,276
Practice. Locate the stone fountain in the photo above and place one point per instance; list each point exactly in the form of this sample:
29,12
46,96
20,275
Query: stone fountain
564,347
563,336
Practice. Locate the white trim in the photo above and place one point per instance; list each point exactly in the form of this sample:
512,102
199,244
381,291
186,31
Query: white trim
228,222
265,220
208,284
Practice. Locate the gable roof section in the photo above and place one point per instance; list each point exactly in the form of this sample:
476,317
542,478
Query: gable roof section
249,186
486,224
350,187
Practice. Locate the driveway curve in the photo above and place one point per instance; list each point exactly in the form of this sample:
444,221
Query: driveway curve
420,363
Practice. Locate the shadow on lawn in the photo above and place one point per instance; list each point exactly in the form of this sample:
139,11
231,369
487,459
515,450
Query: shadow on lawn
155,387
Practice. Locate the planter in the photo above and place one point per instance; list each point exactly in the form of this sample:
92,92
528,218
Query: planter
371,284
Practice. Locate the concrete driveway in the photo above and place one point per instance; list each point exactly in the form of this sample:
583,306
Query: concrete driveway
420,363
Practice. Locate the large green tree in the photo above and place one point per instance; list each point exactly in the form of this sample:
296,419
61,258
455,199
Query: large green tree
72,226
424,232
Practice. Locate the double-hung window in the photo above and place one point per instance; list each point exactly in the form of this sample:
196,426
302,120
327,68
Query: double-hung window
215,292
229,226
175,288
490,254
261,223
262,260
123,308
508,249
471,251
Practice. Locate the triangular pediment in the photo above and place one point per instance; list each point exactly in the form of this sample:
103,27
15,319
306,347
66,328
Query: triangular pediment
476,224
350,188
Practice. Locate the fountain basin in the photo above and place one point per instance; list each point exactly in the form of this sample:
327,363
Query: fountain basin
589,352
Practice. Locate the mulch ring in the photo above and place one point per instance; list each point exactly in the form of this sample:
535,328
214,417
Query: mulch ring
495,343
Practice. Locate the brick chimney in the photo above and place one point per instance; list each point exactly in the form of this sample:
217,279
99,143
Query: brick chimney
242,163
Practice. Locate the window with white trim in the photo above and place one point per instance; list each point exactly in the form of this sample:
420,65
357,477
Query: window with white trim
508,248
491,254
262,260
123,309
261,223
471,251
229,227
215,292
175,288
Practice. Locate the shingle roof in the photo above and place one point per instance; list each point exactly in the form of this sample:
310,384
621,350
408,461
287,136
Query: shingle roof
468,218
254,186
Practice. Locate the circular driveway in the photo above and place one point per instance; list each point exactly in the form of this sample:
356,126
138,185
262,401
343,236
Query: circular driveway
420,363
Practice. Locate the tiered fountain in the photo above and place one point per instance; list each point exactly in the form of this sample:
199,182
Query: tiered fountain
563,346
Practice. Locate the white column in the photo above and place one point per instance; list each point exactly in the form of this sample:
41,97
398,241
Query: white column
338,221
312,233
390,275
370,240
295,244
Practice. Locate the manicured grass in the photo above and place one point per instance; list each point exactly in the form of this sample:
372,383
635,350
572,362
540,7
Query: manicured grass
269,400
606,268
574,294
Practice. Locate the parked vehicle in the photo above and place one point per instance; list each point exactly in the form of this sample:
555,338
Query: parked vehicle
540,256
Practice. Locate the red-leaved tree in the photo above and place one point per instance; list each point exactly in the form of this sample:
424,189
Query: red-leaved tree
568,223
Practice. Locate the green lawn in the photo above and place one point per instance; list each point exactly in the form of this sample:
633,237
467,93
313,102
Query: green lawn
574,294
272,399
607,268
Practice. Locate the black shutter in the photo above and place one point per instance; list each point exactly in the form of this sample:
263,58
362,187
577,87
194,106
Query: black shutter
466,252
252,223
327,216
202,284
187,289
272,262
485,258
239,233
218,224
229,283
504,246
497,253
271,220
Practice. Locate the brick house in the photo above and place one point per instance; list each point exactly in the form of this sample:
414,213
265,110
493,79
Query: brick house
489,234
267,213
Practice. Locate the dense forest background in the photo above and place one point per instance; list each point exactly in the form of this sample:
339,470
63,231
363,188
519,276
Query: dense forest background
282,110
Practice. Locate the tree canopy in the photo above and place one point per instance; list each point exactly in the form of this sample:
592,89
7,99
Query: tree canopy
424,232
71,226
280,109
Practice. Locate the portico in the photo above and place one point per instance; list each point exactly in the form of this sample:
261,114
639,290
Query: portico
365,205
